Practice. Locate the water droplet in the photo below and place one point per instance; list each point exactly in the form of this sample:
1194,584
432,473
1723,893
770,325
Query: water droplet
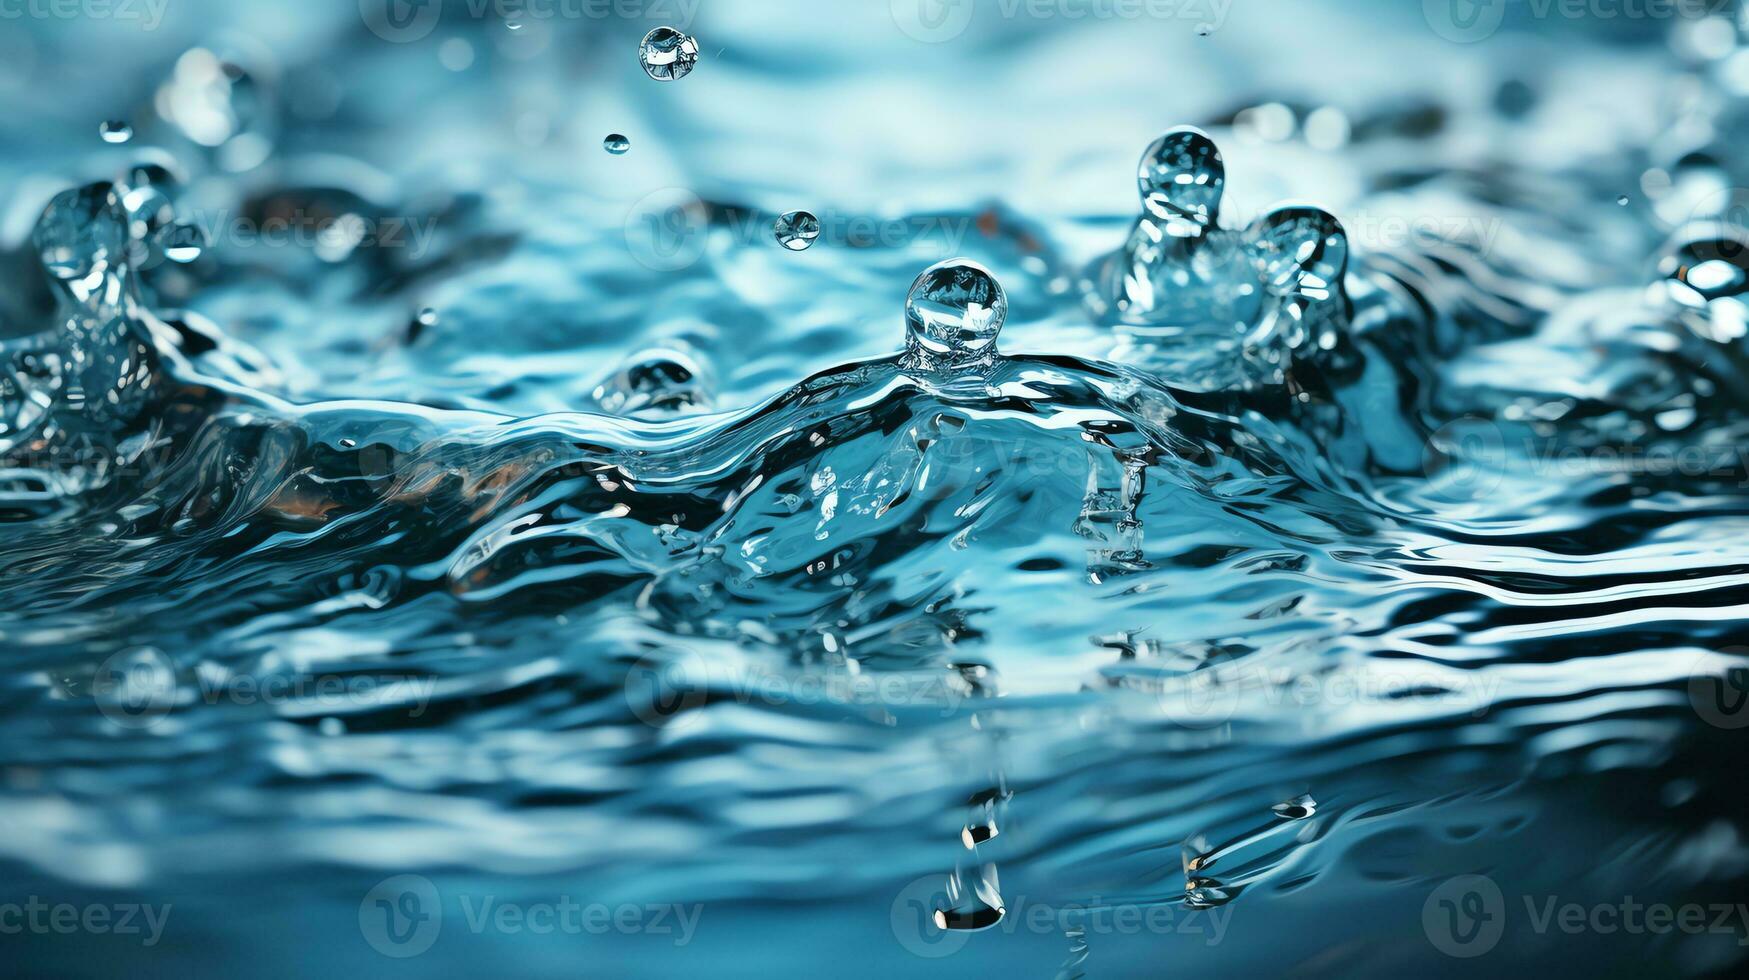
1298,808
183,242
796,230
515,25
1182,177
1622,200
955,310
1301,249
616,144
81,231
424,320
115,131
667,54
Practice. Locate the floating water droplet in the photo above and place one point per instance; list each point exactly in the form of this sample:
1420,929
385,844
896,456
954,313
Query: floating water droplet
515,25
796,230
1622,200
115,131
955,310
668,54
1182,177
183,242
616,144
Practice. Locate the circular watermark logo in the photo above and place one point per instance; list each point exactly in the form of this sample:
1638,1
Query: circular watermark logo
933,21
401,21
401,916
1465,917
1464,21
916,921
1200,700
135,688
1465,459
1725,215
666,230
1721,699
664,692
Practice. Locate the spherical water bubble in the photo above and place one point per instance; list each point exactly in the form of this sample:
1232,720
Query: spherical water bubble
1301,249
796,230
616,144
81,231
1182,176
115,131
183,243
1622,200
955,309
667,54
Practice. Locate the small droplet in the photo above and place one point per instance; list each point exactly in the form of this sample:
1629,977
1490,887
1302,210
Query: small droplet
115,131
1622,200
1298,808
183,243
616,144
796,230
668,54
955,310
515,25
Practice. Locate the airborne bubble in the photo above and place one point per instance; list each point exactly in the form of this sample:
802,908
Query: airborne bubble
668,54
796,230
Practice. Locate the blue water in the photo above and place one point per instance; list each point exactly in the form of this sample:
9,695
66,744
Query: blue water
457,515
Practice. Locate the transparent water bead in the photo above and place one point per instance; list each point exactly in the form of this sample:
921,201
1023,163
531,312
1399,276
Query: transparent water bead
955,311
796,230
668,54
183,243
1182,178
81,232
616,144
115,131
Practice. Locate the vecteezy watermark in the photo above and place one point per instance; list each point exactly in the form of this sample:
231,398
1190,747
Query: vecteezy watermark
140,687
1721,698
44,918
331,237
1469,21
937,21
406,21
148,14
665,693
918,920
1469,458
671,228
403,916
1467,916
1211,697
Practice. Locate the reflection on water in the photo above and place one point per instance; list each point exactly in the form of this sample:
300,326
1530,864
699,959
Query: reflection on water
451,537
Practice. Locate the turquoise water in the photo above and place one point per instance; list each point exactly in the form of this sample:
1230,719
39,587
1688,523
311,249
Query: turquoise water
902,497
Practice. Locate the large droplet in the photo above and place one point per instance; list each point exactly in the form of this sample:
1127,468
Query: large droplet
616,144
82,231
1182,177
668,54
1300,249
115,131
796,230
955,310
